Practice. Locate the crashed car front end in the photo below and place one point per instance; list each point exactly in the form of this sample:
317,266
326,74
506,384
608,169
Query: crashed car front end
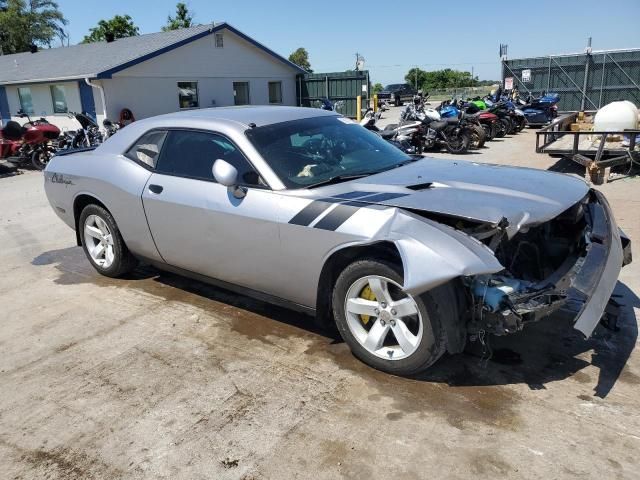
571,262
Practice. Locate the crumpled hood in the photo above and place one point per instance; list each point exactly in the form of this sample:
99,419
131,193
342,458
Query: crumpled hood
470,190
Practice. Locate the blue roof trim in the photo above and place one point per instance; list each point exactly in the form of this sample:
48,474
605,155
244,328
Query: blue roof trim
108,73
5,114
87,102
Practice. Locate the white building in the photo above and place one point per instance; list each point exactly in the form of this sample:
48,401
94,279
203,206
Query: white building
198,67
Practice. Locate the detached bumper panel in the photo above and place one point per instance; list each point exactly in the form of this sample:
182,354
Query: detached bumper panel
598,276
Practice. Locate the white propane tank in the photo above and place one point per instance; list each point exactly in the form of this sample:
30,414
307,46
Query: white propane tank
616,116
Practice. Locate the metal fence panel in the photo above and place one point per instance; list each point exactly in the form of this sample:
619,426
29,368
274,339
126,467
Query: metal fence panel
584,81
341,87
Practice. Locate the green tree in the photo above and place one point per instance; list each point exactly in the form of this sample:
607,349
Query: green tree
120,26
440,79
416,77
29,22
183,19
378,87
301,58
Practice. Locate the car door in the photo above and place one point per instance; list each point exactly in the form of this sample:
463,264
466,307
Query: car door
199,225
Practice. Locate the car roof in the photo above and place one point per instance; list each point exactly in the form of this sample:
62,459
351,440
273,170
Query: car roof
222,119
259,115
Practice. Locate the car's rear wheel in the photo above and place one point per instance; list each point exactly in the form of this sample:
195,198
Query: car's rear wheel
385,327
103,243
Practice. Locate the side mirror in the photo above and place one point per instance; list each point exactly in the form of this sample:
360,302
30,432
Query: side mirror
227,175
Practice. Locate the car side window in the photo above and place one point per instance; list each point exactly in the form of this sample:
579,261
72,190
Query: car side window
147,149
191,154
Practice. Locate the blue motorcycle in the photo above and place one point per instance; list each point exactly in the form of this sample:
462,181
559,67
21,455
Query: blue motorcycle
542,110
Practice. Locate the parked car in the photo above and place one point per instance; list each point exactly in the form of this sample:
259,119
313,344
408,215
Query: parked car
409,256
397,93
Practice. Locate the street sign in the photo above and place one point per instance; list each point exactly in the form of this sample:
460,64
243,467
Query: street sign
526,76
508,83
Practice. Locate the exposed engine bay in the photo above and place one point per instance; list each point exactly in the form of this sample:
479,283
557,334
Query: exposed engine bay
541,265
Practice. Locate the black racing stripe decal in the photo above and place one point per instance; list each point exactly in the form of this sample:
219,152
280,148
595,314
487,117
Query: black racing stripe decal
381,197
352,195
312,211
338,216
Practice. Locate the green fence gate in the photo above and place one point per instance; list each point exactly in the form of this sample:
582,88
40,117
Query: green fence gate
585,81
342,88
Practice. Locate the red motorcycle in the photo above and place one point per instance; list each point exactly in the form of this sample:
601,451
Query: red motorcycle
29,143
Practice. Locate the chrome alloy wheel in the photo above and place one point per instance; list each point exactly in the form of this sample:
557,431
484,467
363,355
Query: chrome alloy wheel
99,241
388,326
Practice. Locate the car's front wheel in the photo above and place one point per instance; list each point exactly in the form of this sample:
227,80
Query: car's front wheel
385,327
103,243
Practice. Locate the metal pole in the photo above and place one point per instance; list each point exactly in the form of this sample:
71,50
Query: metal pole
586,78
549,75
604,63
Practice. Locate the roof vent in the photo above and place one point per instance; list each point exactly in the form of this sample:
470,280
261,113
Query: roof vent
33,48
109,37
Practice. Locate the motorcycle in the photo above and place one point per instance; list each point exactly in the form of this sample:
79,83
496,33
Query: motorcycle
434,131
542,110
401,140
326,104
506,121
30,143
518,117
449,109
89,135
488,121
110,128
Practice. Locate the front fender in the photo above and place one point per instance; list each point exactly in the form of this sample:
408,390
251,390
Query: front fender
433,254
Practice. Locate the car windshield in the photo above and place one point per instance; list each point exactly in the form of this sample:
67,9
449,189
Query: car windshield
395,86
323,149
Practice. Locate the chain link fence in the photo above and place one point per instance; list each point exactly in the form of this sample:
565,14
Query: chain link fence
462,92
584,81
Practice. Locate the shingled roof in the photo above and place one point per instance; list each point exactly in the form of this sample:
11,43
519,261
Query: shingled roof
101,59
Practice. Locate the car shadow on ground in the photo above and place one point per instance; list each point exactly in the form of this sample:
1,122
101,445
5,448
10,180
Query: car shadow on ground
548,351
544,352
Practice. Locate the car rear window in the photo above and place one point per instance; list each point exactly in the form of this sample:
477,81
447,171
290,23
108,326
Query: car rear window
147,148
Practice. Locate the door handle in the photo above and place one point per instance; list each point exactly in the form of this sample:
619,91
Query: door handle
155,188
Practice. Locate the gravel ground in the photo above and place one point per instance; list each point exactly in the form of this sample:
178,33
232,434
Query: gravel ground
161,377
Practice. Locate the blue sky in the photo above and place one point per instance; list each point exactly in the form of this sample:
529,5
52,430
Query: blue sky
394,36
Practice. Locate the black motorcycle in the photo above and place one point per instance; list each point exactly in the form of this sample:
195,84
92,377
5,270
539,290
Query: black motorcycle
87,136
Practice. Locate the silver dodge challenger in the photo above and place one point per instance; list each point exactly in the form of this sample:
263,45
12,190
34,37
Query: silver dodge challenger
408,256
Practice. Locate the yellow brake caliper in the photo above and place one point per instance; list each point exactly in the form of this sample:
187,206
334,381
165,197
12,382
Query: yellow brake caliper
367,294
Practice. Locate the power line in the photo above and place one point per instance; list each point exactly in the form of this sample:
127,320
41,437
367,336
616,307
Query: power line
412,65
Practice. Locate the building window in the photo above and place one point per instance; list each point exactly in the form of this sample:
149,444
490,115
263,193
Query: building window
241,93
26,102
188,94
275,92
219,40
59,99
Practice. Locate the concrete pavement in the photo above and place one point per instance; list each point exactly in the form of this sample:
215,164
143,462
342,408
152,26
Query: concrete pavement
157,376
